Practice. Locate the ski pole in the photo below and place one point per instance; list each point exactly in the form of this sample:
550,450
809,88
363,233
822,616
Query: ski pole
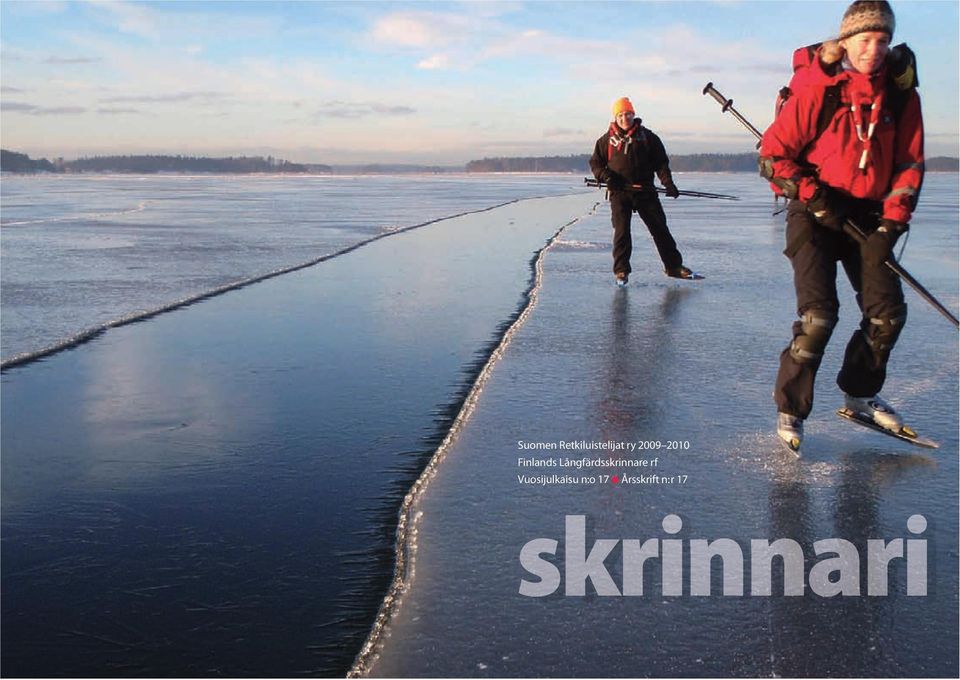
642,187
850,227
727,105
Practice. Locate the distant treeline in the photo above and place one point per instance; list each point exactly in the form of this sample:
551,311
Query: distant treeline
942,164
702,162
698,162
153,164
578,163
11,161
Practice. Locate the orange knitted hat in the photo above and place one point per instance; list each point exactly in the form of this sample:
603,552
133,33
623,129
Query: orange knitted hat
621,105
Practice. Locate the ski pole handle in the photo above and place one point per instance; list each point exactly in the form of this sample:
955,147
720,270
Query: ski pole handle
712,91
727,106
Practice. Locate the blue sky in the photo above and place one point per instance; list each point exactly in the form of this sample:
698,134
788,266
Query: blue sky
418,82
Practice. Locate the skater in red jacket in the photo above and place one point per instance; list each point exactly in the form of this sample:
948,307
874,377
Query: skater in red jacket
865,165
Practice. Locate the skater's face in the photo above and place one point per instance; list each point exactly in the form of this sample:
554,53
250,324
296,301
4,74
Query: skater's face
625,119
866,51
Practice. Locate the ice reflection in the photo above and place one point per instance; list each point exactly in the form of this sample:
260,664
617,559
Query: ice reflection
638,353
130,399
850,510
215,490
689,362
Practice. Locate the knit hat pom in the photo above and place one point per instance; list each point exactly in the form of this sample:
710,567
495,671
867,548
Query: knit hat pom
621,105
867,15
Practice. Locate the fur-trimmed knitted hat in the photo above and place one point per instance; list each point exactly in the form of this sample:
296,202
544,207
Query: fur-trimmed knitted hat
867,15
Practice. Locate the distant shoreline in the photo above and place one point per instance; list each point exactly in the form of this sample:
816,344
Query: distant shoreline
339,173
12,162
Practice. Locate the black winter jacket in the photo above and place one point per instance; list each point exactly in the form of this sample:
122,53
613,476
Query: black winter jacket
635,158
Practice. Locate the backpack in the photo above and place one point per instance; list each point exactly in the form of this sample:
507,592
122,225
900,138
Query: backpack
902,78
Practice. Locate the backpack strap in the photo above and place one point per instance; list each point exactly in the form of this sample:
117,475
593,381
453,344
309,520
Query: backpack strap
831,102
897,101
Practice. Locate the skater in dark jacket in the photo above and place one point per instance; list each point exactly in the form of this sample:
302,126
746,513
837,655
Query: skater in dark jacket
866,165
630,154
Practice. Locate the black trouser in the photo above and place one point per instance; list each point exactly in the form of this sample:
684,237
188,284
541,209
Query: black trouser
814,252
622,205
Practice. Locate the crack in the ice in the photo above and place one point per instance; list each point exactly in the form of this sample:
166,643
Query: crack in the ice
407,520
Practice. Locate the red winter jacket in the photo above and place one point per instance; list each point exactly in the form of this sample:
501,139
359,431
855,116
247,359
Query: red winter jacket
893,171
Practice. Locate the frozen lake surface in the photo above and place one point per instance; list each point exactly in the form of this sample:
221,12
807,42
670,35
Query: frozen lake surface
81,252
685,368
214,491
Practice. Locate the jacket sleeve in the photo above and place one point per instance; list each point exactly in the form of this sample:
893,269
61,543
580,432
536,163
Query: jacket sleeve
908,169
598,161
786,138
658,156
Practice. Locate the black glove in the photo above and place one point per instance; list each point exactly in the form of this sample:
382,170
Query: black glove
826,207
613,180
879,245
671,190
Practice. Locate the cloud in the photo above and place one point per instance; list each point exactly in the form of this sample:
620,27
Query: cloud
128,17
451,40
45,9
421,29
17,106
780,67
436,62
9,54
118,111
394,110
563,132
140,73
76,86
170,25
34,110
72,60
9,89
340,109
172,98
507,43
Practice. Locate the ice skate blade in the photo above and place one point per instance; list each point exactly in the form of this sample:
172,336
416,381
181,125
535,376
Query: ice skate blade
905,433
694,276
793,446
